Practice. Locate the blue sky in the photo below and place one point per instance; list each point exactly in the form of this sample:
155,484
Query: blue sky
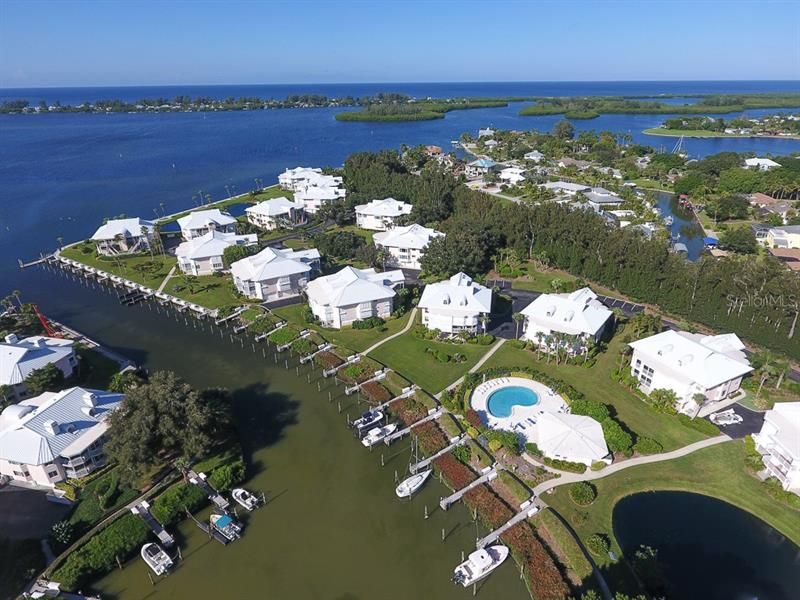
69,43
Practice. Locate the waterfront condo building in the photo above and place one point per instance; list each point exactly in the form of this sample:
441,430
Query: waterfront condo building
405,245
578,317
278,213
55,436
779,444
275,274
352,295
691,365
200,222
380,215
204,255
19,358
298,178
314,197
455,305
124,236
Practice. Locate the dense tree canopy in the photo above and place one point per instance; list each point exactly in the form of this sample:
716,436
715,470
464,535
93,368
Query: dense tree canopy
165,418
48,378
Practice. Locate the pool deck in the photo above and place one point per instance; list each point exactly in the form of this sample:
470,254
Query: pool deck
523,418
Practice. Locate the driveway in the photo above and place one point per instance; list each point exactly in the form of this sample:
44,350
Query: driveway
27,513
752,421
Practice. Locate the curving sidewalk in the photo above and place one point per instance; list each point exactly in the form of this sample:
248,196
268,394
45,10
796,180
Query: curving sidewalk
567,478
408,326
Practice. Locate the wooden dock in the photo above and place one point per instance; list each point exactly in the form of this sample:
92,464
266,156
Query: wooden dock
456,496
491,538
199,479
398,434
143,510
210,531
426,461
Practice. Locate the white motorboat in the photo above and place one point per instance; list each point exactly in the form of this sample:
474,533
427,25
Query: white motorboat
376,434
226,526
408,487
479,564
245,499
156,558
368,420
669,220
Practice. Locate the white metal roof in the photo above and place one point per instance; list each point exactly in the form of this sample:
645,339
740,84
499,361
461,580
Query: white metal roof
411,236
457,294
212,243
274,207
319,193
353,286
204,218
577,313
128,228
18,359
572,437
705,359
566,186
786,417
271,263
57,422
761,162
388,207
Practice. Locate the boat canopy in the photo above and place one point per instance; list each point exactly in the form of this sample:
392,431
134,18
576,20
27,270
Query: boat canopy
481,559
223,521
710,241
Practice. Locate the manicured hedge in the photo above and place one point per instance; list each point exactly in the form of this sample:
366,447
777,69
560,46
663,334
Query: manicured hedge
598,544
582,493
170,507
647,446
701,425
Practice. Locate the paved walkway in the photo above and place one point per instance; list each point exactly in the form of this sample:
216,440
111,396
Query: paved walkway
167,278
477,366
567,478
412,319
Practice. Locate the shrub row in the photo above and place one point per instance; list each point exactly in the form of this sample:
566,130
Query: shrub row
375,393
701,425
369,323
455,473
542,575
490,509
430,438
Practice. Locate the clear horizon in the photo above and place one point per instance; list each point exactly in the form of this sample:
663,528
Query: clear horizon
80,43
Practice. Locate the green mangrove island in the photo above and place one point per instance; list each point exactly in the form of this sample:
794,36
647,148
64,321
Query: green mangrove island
591,107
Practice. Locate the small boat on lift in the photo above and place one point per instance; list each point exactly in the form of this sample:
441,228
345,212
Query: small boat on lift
245,499
479,564
156,558
376,434
226,525
408,487
368,420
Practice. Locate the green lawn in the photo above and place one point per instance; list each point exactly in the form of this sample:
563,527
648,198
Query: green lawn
143,269
595,382
271,192
652,184
542,281
210,291
406,354
717,471
88,511
367,235
567,547
357,340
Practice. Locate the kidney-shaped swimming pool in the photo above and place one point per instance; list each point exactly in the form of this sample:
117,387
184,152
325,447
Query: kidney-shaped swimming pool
501,402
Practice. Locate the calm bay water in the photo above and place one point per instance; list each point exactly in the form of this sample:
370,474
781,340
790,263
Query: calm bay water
709,549
335,529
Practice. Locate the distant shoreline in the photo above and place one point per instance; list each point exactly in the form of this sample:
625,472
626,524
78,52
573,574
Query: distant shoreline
696,133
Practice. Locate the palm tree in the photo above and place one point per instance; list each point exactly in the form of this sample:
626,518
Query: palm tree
539,338
518,318
484,319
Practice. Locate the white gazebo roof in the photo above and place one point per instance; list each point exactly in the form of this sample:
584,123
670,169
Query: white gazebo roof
114,228
577,313
570,437
272,263
458,294
212,243
353,286
411,236
388,207
203,218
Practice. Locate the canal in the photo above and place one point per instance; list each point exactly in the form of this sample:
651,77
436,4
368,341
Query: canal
707,548
333,527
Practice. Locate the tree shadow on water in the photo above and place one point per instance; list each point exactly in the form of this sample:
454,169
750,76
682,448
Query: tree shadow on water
261,419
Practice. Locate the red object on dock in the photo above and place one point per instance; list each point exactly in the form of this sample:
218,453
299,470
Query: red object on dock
46,324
